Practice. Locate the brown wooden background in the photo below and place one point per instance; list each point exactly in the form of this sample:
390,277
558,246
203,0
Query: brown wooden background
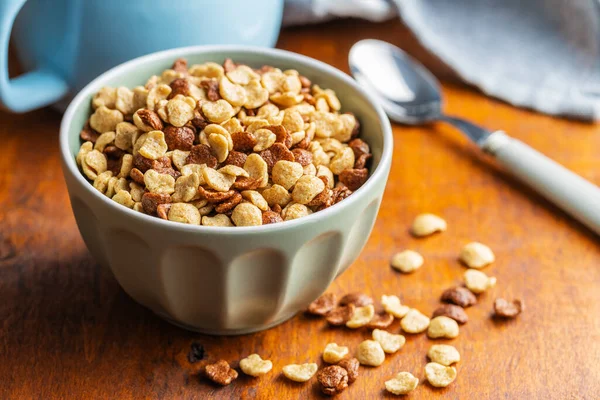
67,331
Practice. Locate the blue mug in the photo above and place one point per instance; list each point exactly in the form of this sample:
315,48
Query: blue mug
67,43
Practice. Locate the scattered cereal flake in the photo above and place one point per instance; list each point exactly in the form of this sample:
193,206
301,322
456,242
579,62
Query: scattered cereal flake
443,354
390,342
361,316
370,353
221,373
334,353
460,296
476,255
300,372
392,305
442,327
427,224
351,366
254,365
453,311
407,261
477,281
414,322
402,383
333,379
505,309
439,375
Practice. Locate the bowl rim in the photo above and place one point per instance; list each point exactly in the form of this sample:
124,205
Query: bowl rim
381,172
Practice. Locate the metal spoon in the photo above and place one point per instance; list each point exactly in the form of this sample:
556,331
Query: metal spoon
410,94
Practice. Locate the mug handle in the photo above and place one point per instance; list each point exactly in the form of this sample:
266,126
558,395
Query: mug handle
29,91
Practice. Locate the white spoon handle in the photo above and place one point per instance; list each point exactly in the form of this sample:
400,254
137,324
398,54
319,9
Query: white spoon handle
572,193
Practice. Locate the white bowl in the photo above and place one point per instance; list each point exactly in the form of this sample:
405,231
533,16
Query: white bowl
227,280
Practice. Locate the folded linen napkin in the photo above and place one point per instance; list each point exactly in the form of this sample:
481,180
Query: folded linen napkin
539,54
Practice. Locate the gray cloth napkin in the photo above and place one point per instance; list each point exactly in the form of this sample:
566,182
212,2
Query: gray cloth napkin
538,54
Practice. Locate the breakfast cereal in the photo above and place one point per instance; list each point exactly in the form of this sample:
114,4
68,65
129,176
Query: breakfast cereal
443,354
300,372
402,383
194,132
334,353
370,353
439,375
254,365
476,255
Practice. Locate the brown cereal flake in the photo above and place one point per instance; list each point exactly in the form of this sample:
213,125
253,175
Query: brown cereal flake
199,121
354,178
236,158
180,65
162,210
340,193
359,147
87,134
179,86
361,161
147,120
229,65
150,201
357,299
333,379
453,311
113,152
302,156
243,183
323,304
243,141
211,86
179,138
506,309
380,321
201,154
304,81
212,196
460,296
221,373
229,204
276,208
281,135
137,176
351,366
340,315
271,217
276,152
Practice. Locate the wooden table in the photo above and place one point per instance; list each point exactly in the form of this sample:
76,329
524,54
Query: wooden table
67,331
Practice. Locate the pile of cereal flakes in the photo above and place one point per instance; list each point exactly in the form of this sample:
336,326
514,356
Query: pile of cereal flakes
223,145
357,310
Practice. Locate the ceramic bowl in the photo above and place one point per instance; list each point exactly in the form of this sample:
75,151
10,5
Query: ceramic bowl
227,280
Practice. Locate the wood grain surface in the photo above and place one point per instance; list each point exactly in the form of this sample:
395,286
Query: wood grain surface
67,331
